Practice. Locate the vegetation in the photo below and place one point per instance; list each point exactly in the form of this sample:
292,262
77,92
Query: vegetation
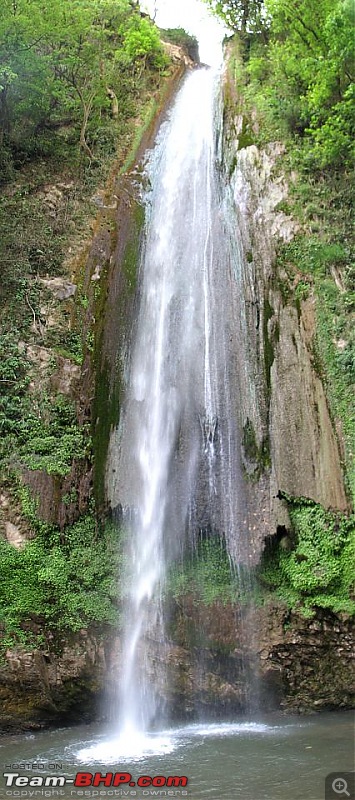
74,80
239,15
296,74
312,567
291,69
206,572
58,583
300,71
323,260
78,82
75,77
316,568
67,69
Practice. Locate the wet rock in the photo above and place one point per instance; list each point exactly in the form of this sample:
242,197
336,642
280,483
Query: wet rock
38,689
289,662
304,448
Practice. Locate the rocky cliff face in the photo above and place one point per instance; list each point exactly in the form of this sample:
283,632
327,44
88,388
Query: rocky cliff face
215,668
287,662
290,446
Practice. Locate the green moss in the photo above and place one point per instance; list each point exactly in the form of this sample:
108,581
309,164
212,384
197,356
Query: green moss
283,285
131,256
208,575
264,455
147,119
108,376
257,457
249,442
246,137
106,412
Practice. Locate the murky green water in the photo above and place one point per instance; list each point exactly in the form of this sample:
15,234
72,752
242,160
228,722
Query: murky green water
279,758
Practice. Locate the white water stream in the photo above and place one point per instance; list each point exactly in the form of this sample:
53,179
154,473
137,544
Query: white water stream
177,455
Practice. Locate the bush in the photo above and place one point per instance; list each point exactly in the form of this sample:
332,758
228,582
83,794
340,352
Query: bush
59,582
318,570
142,42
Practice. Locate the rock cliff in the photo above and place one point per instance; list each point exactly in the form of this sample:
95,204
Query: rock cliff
290,445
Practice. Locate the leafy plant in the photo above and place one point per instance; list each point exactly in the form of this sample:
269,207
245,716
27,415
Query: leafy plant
59,582
319,569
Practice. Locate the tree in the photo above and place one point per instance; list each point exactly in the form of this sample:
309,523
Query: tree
304,74
239,15
59,62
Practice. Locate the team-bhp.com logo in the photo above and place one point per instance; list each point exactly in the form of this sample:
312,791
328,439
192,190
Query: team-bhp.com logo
95,780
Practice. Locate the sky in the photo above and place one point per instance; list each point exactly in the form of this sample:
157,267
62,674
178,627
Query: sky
193,16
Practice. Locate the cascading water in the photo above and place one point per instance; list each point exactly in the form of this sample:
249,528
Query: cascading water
177,456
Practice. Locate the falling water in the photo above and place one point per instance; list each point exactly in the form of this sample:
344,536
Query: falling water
177,462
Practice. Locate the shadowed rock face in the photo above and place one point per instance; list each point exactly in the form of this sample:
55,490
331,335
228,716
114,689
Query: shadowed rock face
304,446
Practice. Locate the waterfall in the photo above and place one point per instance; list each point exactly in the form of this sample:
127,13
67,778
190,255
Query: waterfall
177,457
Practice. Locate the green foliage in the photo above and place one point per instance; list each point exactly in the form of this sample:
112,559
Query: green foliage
13,383
319,569
62,69
338,370
42,433
59,66
52,455
31,244
240,15
142,42
59,582
320,197
314,256
301,77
